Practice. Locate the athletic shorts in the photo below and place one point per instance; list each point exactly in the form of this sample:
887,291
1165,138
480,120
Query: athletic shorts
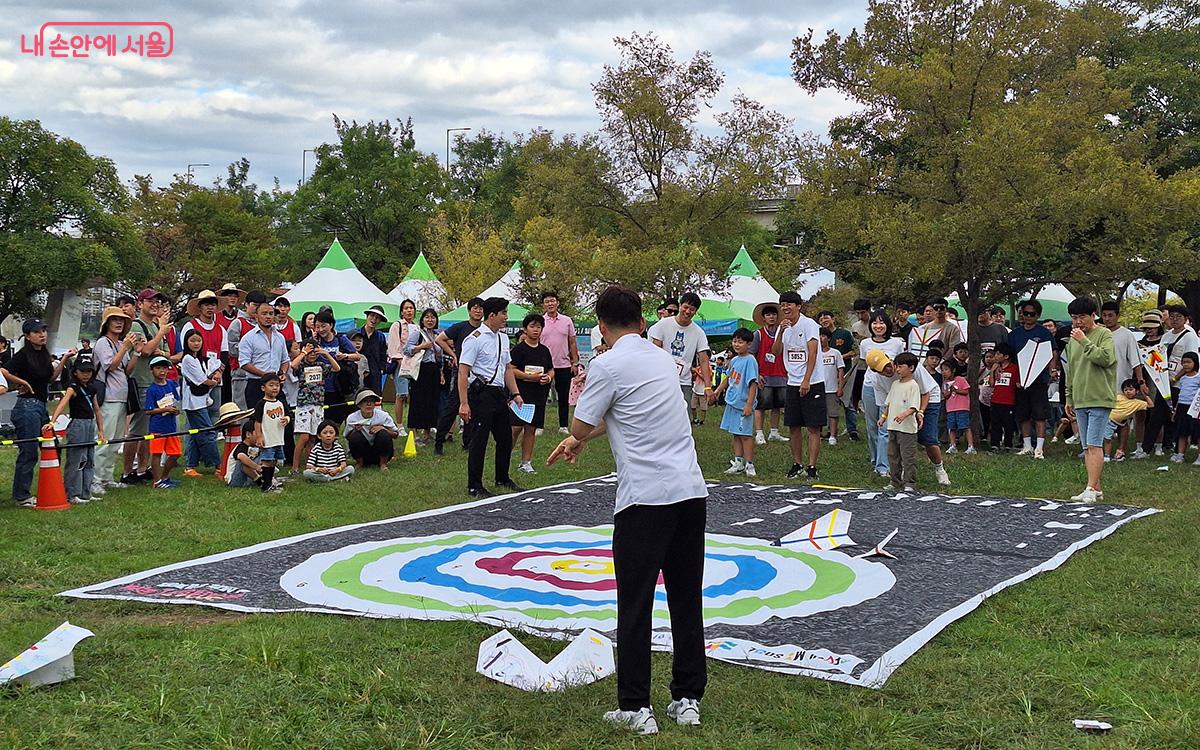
833,404
307,419
958,420
805,411
539,417
733,422
171,446
1033,403
771,397
928,434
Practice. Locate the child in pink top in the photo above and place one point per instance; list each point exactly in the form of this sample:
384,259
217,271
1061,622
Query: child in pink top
956,394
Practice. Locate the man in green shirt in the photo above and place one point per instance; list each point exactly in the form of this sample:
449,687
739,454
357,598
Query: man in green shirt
1090,388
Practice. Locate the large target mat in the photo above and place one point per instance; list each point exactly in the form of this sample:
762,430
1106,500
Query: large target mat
795,580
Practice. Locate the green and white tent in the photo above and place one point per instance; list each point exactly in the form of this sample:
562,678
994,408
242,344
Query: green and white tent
506,286
723,312
420,285
338,283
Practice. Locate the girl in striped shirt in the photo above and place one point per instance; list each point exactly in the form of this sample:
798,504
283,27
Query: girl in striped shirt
327,460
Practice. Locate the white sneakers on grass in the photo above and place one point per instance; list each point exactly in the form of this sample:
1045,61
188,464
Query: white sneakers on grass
1088,495
685,712
1039,454
641,721
775,437
760,438
526,467
943,478
1026,451
832,440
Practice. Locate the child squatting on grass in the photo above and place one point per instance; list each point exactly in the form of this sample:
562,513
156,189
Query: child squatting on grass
740,389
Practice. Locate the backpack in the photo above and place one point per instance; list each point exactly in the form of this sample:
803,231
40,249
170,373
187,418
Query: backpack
347,378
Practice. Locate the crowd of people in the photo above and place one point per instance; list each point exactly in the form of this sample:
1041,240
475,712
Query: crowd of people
801,377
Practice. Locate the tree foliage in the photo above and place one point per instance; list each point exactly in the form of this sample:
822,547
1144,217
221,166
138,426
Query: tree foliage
467,256
62,221
485,176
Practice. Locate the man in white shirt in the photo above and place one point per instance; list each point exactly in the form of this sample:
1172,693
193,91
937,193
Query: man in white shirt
486,384
686,343
658,523
804,405
1180,339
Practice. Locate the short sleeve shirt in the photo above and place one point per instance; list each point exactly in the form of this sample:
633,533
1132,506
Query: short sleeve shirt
742,372
795,350
458,333
158,396
312,382
682,343
487,354
556,336
533,360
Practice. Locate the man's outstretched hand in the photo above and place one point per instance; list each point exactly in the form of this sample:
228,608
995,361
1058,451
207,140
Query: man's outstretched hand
569,449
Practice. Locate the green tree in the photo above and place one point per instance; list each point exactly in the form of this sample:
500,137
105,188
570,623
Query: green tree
467,256
372,189
62,219
485,176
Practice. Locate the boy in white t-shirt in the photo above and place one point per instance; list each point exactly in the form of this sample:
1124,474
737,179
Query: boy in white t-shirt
833,368
804,404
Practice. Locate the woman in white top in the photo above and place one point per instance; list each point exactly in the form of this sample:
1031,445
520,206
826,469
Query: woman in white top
397,340
200,375
881,338
370,432
425,392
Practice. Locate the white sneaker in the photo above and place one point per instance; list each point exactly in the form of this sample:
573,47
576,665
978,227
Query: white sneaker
735,467
1176,458
1054,439
1196,462
78,500
1026,451
1158,451
969,451
685,711
759,438
565,431
1072,440
1108,459
1139,454
750,472
526,467
403,431
942,477
538,432
832,440
29,502
1038,454
97,489
640,721
952,449
776,437
1087,496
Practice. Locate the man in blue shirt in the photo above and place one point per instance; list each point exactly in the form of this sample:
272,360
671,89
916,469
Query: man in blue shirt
262,352
1033,401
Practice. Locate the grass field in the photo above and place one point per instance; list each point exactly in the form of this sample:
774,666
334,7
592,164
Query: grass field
1114,634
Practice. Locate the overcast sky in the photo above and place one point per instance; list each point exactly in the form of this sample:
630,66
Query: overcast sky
261,80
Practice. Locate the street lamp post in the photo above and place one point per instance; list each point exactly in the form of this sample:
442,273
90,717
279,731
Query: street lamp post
189,169
304,163
448,132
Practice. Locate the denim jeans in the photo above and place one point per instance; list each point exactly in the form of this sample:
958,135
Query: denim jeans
202,447
79,469
877,439
28,416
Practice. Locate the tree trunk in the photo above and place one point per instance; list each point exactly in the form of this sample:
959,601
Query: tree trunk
1189,292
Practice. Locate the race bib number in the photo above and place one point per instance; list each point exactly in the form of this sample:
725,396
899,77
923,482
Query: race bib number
312,375
1005,379
769,358
534,369
827,359
797,356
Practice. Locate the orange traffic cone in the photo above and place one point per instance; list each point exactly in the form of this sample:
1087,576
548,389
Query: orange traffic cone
233,436
52,494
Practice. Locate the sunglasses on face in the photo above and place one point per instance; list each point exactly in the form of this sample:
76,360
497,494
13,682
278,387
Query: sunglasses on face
672,311
1028,313
939,308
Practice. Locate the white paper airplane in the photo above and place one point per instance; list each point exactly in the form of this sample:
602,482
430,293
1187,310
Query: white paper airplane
46,662
1032,359
586,659
878,550
827,532
1154,359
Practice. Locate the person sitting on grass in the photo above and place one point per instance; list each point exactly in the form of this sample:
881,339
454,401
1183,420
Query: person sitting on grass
371,432
245,469
84,429
162,406
272,416
740,389
327,459
1128,404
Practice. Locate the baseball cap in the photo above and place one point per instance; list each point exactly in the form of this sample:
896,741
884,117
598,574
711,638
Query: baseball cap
149,293
163,361
33,324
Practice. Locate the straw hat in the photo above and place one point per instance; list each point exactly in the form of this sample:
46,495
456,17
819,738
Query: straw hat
193,305
231,413
378,311
113,312
757,315
231,290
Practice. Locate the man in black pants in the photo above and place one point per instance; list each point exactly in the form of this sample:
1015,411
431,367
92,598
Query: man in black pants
559,337
451,342
485,386
632,393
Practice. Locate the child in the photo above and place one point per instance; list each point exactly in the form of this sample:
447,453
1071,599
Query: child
1005,377
162,406
370,432
85,426
244,469
986,386
956,394
833,371
740,390
200,374
1128,404
720,372
364,367
272,416
961,354
903,418
699,405
327,460
533,368
1187,428
314,366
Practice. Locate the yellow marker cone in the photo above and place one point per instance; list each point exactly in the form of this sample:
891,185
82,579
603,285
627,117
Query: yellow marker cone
410,446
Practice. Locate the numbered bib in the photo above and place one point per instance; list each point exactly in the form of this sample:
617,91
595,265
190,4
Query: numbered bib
769,358
312,375
797,356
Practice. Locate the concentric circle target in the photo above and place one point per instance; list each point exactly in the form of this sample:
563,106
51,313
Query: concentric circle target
562,578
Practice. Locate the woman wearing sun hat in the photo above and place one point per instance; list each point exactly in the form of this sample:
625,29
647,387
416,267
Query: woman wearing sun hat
112,352
371,431
1157,421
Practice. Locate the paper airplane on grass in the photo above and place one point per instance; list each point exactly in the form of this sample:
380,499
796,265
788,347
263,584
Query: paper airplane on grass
827,532
46,662
586,659
1032,359
878,550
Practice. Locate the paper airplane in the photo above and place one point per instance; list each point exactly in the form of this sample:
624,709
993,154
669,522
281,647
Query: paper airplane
586,659
1032,359
46,662
878,550
827,532
1154,358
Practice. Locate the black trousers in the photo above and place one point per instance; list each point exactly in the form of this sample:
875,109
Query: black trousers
489,416
254,392
371,449
1159,418
336,408
1003,426
562,391
648,539
447,417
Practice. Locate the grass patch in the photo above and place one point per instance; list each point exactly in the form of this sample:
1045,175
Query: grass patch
1114,634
